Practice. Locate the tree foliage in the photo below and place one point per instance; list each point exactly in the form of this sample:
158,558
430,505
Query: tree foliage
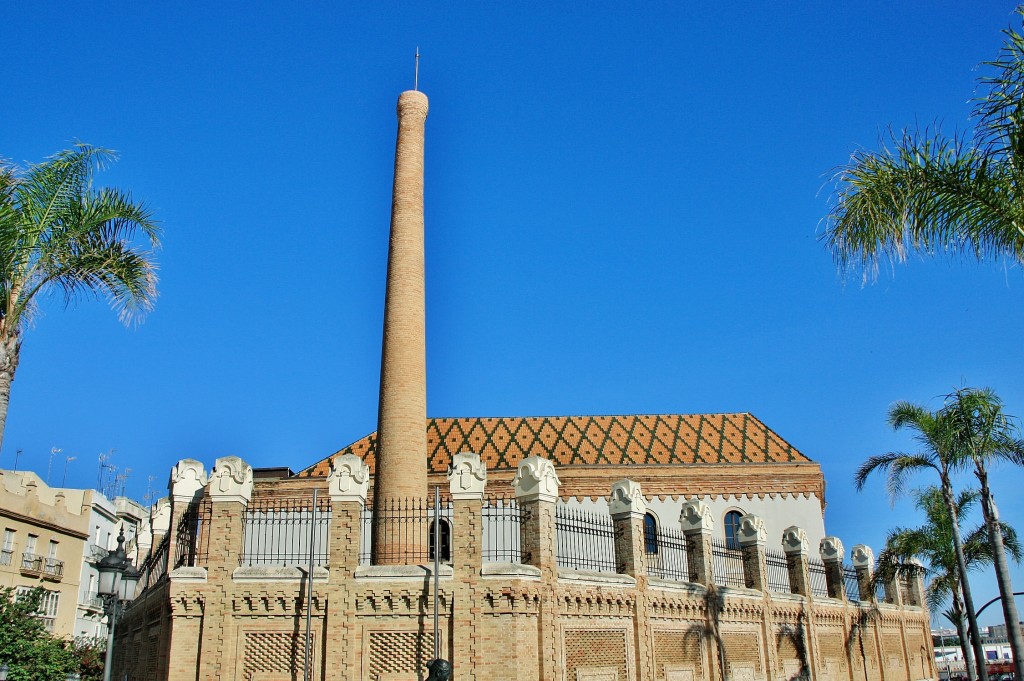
29,651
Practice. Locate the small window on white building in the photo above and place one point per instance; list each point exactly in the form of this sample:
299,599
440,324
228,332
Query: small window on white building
30,545
732,529
650,533
446,540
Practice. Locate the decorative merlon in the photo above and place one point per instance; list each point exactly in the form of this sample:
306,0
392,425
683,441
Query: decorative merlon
161,515
862,556
467,476
536,480
794,541
831,550
188,477
695,517
752,531
349,479
626,499
231,480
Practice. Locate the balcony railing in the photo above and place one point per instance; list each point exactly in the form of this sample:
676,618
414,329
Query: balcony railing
31,564
53,569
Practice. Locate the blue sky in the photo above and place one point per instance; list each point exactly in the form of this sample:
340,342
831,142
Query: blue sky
623,210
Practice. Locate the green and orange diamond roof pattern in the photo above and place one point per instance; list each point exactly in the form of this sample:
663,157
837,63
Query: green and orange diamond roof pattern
643,440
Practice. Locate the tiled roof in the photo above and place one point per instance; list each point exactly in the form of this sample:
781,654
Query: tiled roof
659,439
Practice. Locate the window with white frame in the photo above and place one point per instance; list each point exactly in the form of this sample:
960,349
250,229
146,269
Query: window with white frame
7,549
48,605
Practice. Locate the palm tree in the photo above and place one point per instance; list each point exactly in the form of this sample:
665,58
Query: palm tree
58,232
932,543
933,432
925,192
986,434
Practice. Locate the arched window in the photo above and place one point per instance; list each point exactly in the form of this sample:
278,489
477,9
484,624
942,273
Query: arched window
446,540
732,529
650,533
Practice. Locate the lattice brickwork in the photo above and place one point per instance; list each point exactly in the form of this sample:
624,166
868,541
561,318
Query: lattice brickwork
918,654
589,651
272,653
675,651
791,658
831,649
400,652
892,649
742,654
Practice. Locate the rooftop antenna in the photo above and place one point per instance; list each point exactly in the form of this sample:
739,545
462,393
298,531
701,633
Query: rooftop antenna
416,82
53,452
67,460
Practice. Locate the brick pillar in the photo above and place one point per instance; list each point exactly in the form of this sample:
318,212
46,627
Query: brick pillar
794,544
347,485
832,554
892,590
864,564
188,478
752,538
916,585
467,477
401,471
627,508
536,488
230,490
697,523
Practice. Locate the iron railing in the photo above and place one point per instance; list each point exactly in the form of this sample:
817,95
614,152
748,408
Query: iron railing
727,564
880,592
406,527
155,565
584,541
502,522
851,584
193,535
816,573
668,558
53,569
778,571
285,531
31,564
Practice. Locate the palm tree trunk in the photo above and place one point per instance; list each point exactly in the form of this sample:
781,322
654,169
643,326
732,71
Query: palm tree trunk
995,538
10,346
961,631
965,586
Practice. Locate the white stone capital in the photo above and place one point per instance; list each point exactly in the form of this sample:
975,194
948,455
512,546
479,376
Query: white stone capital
231,480
467,476
862,556
831,550
794,541
188,478
627,499
752,531
696,517
536,480
349,479
161,516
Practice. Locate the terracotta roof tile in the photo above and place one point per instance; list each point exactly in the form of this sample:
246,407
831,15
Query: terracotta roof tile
588,440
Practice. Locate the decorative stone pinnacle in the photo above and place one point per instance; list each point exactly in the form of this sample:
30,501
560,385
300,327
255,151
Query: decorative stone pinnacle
187,477
536,480
752,531
349,479
467,476
626,499
831,550
794,541
862,556
696,516
231,480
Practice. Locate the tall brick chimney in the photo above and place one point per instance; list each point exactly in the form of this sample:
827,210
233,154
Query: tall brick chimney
401,467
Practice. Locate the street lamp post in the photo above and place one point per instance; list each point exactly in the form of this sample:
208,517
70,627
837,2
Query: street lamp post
118,578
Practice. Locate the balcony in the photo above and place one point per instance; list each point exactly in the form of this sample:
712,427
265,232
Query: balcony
31,565
53,569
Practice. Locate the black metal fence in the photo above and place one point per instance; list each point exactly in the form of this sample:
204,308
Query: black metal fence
851,584
502,521
778,571
727,564
816,572
192,543
407,529
154,567
666,556
584,541
286,531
